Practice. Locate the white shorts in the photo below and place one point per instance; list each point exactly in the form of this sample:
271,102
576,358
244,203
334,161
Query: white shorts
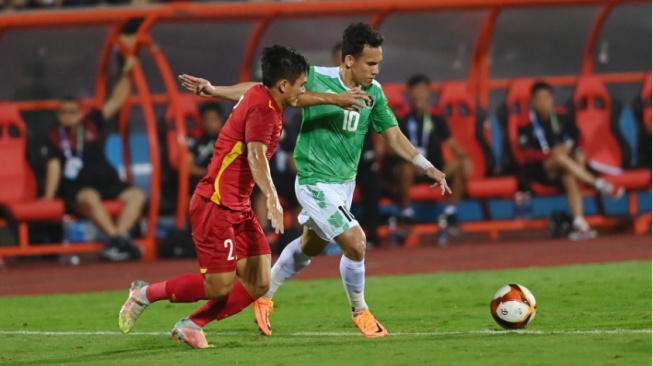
325,207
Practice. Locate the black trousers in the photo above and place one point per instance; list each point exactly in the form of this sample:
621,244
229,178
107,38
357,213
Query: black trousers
367,181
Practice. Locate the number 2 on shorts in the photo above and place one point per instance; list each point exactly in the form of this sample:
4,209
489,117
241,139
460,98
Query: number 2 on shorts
230,244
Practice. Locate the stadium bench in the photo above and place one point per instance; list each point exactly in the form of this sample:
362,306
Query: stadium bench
18,201
467,126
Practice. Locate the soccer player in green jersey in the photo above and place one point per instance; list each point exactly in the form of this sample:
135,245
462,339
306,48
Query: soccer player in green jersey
326,155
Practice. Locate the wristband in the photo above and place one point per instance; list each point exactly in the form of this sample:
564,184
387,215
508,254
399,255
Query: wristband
421,162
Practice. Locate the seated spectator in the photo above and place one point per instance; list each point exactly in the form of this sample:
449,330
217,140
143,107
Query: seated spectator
200,150
79,172
429,133
550,146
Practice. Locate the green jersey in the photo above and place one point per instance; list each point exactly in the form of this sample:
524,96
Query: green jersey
330,140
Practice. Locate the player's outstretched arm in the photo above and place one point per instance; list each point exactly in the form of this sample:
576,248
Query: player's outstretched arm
258,164
120,91
203,88
400,144
350,100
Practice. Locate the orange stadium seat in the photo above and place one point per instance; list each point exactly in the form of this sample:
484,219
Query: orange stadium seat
463,120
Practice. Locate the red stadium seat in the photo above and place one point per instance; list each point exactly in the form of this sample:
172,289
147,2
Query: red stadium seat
394,92
17,184
646,99
517,100
600,131
593,114
462,118
191,116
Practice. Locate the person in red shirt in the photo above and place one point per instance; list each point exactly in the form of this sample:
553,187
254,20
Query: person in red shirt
228,238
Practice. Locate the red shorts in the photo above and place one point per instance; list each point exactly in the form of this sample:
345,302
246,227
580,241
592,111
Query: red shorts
223,236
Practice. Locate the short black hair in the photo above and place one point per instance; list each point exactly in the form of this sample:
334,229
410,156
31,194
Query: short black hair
206,107
279,62
541,85
418,79
357,36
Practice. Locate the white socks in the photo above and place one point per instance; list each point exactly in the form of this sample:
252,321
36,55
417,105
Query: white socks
291,261
353,278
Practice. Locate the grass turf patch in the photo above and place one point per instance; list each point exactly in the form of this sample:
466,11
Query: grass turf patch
587,314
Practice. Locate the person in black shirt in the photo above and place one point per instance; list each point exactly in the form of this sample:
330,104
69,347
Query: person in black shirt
549,144
429,133
79,172
200,150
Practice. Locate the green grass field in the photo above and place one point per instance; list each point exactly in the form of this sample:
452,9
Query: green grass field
587,315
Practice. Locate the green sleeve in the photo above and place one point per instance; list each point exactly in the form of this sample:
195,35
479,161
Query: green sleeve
310,79
382,116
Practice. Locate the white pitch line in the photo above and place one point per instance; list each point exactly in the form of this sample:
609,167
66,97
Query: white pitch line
344,334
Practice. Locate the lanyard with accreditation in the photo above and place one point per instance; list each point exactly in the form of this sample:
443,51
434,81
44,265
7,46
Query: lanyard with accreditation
421,146
539,131
74,163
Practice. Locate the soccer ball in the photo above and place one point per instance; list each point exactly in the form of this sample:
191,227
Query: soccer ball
513,306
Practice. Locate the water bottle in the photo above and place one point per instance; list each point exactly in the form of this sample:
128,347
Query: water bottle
519,205
69,228
443,230
527,206
393,237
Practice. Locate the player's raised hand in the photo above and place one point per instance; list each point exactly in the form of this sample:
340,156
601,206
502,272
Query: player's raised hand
130,63
199,86
439,178
350,99
275,213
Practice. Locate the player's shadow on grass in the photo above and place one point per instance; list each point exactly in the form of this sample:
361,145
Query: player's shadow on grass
110,356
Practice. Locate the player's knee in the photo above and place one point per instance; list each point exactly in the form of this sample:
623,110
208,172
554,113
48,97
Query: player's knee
88,196
355,249
217,289
259,289
138,196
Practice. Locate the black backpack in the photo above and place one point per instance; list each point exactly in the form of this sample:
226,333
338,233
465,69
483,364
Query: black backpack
560,223
178,244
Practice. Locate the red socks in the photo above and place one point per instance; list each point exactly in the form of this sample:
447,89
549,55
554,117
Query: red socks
185,288
236,301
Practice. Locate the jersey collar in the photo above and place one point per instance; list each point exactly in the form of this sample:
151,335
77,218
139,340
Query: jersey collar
272,103
342,82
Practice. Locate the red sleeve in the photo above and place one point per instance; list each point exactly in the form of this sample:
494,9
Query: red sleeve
260,122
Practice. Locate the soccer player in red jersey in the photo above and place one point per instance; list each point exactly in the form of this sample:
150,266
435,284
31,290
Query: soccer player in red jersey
228,239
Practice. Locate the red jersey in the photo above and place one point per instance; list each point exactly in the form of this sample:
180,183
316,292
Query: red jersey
229,181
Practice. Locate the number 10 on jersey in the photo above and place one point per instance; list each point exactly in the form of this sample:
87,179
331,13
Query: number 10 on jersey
350,122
